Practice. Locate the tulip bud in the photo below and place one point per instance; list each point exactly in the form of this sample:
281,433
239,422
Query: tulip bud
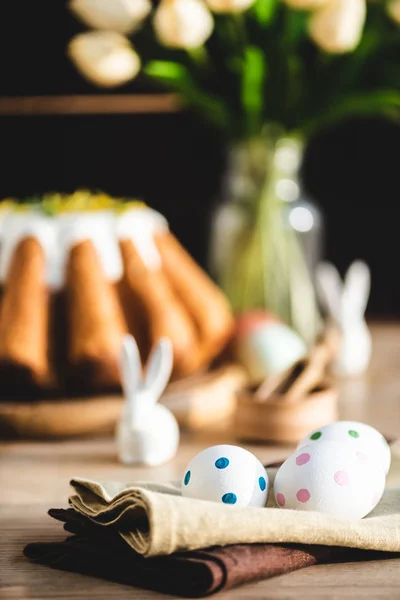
305,4
183,23
229,6
394,10
114,15
337,26
104,57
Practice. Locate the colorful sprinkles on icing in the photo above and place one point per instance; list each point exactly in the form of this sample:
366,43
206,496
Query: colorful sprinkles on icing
222,463
262,483
229,498
187,478
316,435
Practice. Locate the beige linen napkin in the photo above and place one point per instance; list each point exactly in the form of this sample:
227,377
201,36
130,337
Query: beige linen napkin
154,519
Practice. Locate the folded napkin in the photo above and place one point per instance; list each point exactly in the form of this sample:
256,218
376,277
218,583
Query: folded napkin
100,552
155,519
120,531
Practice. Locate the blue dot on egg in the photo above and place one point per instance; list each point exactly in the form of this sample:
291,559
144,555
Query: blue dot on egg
222,463
262,483
187,478
229,498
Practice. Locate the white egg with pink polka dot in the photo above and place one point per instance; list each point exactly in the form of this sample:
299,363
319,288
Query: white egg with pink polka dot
330,477
361,436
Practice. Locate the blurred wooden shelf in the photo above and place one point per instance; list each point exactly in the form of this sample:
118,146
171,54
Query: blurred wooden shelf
89,104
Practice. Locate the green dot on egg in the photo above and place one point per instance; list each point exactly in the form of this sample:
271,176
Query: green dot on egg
353,433
316,435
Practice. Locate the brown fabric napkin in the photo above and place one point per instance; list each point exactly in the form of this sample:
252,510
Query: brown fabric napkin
154,519
115,526
100,552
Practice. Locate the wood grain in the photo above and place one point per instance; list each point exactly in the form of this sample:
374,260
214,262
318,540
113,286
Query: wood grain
34,477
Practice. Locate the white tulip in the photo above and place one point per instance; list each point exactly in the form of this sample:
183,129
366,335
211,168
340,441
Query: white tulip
229,6
305,4
394,10
337,26
183,23
114,15
104,57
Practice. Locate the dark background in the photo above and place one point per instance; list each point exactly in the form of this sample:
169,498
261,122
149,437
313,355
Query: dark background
175,162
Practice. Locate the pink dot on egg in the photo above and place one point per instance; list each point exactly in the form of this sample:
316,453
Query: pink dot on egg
362,457
302,459
281,500
303,495
341,477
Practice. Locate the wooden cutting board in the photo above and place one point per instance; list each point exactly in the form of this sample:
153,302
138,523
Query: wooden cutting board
207,400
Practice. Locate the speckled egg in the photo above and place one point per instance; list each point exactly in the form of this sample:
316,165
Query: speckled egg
265,345
361,436
331,478
227,474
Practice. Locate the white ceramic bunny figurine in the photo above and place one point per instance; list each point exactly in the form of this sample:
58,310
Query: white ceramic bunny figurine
148,432
346,304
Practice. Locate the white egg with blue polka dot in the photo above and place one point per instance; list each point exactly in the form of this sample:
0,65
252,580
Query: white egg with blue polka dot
227,474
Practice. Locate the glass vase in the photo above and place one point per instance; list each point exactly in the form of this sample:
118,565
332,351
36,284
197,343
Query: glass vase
266,235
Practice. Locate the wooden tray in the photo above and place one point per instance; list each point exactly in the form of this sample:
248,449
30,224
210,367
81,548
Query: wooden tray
198,402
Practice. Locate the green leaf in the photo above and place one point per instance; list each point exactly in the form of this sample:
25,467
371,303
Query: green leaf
367,103
265,10
254,73
178,77
363,103
166,70
296,25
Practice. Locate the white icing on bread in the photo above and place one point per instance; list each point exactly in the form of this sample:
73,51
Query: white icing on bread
140,225
20,225
58,234
99,228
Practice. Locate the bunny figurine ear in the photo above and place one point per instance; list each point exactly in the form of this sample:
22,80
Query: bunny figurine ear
357,288
159,367
130,366
329,288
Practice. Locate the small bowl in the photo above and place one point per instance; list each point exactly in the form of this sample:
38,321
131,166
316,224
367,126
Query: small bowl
280,420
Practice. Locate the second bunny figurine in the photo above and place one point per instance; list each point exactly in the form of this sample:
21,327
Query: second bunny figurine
148,432
346,303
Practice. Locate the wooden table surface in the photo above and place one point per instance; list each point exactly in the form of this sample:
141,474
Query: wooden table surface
34,477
